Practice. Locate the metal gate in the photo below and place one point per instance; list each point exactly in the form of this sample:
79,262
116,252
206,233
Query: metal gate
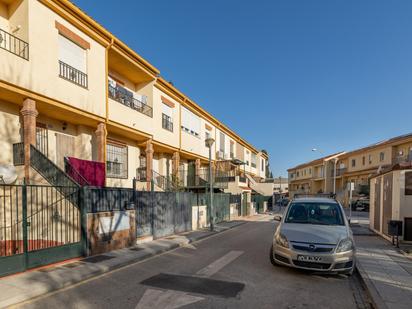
39,225
163,213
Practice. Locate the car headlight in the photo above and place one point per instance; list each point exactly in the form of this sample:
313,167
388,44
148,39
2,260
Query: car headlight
281,240
345,245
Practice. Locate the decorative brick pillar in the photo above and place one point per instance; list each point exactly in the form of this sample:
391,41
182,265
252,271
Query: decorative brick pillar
29,115
197,171
149,163
175,165
101,134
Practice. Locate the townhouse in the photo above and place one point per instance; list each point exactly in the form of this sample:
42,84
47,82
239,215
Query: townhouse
72,89
331,174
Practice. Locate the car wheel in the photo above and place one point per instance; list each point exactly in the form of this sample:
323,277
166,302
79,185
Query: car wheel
272,259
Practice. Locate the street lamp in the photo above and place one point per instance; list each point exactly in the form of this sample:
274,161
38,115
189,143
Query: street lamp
209,143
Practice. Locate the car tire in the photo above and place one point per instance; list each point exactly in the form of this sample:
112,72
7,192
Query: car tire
272,259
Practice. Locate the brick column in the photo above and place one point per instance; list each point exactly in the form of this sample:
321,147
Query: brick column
175,164
29,115
101,134
197,171
149,163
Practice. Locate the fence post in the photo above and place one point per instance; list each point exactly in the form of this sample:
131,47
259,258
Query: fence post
83,200
24,213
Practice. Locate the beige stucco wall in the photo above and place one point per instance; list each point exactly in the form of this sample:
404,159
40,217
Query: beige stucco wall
196,144
374,156
41,72
4,17
160,134
405,201
9,131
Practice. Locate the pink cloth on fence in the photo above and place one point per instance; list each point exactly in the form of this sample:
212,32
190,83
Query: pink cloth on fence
94,172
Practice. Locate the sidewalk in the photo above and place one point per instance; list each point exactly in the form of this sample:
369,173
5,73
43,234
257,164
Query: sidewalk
386,272
21,287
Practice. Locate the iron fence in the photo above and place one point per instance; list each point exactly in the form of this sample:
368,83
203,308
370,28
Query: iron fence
72,74
14,45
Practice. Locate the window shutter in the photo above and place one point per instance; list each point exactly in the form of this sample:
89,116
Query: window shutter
167,110
72,54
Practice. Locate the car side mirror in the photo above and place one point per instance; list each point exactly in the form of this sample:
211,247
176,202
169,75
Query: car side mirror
277,218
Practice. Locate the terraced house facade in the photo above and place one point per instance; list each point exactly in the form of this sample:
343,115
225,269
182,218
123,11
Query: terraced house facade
72,89
331,174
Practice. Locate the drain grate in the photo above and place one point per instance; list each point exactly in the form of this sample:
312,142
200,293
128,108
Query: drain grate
98,258
197,285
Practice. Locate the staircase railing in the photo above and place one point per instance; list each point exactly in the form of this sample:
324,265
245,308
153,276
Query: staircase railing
74,173
53,174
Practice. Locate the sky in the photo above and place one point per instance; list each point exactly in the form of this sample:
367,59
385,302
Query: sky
287,75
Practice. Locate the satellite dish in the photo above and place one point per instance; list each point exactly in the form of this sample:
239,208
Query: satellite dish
8,174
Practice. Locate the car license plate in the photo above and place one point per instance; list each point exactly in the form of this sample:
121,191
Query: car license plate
309,258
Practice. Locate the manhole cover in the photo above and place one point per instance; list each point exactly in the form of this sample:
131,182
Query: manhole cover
197,285
97,258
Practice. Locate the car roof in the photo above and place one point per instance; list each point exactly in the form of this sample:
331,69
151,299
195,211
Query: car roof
315,200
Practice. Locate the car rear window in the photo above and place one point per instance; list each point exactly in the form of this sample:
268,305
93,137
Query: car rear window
314,213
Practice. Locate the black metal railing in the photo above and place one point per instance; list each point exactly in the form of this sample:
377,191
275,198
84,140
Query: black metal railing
402,159
14,45
167,123
122,96
200,178
71,74
18,154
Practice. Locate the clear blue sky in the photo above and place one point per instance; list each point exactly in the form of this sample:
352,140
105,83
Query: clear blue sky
287,75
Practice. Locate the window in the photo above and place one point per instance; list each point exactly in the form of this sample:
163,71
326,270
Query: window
310,171
167,117
370,159
363,160
42,138
190,122
353,162
72,62
408,183
297,174
222,142
382,156
116,165
254,160
262,165
207,135
232,150
315,213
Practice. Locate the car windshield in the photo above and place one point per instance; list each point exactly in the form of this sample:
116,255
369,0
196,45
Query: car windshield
314,213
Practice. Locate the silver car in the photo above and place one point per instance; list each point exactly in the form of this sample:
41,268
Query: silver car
314,234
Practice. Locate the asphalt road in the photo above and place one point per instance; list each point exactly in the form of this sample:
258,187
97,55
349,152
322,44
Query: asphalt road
229,270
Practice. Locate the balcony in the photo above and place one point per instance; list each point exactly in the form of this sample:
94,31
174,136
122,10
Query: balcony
73,75
402,159
167,123
14,45
125,97
340,171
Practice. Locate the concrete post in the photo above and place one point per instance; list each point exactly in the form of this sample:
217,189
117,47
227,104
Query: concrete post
29,115
149,163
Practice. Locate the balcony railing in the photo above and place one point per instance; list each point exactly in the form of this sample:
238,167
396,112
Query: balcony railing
14,45
402,159
253,164
122,96
341,171
167,123
73,75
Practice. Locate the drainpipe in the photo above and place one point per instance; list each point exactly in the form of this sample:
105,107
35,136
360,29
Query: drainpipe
107,101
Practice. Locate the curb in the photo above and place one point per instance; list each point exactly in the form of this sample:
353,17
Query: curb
107,269
376,299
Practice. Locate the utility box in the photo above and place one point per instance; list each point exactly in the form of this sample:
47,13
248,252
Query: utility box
395,228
